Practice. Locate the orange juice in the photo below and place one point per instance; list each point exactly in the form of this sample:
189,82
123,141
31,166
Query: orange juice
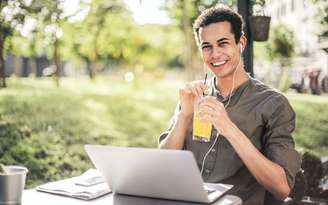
201,130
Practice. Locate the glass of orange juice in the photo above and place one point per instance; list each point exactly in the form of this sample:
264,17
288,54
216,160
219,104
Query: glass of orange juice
201,130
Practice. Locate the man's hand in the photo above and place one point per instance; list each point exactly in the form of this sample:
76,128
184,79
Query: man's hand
274,180
189,94
213,111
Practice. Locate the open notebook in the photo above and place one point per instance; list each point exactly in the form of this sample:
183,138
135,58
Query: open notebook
89,185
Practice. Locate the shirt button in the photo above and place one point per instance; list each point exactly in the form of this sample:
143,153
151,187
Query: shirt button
207,171
213,150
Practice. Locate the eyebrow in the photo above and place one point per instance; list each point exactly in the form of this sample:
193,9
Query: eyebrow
218,41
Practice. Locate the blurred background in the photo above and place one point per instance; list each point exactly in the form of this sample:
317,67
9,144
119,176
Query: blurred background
108,72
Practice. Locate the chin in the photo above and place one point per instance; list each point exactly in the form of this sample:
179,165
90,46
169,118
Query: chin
222,72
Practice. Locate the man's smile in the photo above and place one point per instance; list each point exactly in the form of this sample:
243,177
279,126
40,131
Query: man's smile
219,63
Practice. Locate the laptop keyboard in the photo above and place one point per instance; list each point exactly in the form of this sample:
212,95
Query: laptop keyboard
209,190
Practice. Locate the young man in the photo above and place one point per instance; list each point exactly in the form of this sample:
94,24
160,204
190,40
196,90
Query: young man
254,149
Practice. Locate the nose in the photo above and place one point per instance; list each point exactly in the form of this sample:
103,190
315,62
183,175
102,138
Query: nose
216,52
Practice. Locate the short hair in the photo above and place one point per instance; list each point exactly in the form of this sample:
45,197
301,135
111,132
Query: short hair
219,13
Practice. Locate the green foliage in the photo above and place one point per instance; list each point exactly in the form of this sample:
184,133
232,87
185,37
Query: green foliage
100,32
284,82
106,36
260,51
257,7
41,12
148,46
189,9
322,15
2,169
44,128
12,16
311,123
281,44
280,47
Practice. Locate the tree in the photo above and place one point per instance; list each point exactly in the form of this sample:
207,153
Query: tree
322,7
12,17
51,19
109,36
96,39
48,15
281,47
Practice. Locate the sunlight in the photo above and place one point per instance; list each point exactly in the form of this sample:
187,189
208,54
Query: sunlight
148,11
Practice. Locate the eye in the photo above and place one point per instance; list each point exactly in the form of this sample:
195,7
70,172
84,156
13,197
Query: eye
223,44
206,48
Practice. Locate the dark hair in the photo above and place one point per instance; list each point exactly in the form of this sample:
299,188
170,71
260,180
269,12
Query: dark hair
219,13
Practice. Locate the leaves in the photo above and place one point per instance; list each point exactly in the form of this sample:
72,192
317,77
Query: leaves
281,44
322,15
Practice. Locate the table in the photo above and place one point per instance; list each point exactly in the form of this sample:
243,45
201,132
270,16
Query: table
33,197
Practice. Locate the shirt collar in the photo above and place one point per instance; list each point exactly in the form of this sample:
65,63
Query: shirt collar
236,92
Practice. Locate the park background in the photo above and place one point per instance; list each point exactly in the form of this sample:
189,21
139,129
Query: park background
78,72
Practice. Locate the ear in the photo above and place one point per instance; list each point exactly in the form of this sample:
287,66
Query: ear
241,48
242,43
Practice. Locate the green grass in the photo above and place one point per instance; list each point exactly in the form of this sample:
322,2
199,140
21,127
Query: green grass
59,121
45,128
311,132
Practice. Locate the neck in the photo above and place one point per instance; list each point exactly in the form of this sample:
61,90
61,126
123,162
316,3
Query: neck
225,84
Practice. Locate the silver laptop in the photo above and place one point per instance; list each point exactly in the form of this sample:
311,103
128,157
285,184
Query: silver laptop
165,174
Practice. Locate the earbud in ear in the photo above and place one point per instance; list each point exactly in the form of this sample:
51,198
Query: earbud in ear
241,48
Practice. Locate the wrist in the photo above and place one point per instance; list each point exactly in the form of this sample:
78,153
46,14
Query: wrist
231,131
185,117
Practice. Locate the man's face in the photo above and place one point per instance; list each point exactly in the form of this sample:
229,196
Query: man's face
219,49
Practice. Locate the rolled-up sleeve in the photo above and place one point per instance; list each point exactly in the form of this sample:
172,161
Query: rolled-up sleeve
279,145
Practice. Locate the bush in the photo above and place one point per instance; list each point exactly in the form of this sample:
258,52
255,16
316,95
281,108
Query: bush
45,128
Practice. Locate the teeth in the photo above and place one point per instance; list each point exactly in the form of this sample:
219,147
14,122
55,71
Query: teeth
219,63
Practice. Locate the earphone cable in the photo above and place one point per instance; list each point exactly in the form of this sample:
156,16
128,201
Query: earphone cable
218,132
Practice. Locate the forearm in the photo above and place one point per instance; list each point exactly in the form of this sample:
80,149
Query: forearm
175,139
267,173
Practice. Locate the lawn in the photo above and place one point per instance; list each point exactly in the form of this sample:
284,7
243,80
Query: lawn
311,132
45,128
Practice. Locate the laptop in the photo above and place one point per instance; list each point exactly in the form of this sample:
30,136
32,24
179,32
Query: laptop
165,174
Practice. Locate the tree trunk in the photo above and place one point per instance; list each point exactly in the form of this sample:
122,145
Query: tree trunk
90,69
2,61
190,50
57,62
25,67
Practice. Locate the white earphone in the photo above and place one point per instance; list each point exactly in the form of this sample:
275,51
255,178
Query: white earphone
225,106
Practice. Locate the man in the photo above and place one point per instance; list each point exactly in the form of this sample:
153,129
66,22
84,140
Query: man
254,150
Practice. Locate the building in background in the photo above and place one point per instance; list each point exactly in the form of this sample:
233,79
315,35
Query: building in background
301,17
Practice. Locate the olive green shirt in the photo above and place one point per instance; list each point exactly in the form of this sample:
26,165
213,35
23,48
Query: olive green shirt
265,116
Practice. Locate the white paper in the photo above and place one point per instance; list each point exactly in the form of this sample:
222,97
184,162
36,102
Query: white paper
68,187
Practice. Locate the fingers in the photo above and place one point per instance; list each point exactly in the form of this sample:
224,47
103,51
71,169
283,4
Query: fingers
205,114
195,88
210,101
208,111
